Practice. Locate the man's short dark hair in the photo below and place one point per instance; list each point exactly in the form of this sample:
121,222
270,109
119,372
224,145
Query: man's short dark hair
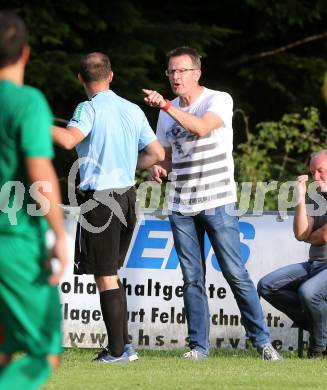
185,50
13,38
94,67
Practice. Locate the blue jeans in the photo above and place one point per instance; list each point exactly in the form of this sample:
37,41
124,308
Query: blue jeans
300,291
224,235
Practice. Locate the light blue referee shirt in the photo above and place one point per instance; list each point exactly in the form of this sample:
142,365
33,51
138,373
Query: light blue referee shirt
115,131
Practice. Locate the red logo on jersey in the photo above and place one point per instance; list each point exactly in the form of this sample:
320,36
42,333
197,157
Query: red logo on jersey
2,334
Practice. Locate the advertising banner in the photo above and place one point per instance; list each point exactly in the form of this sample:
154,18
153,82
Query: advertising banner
153,282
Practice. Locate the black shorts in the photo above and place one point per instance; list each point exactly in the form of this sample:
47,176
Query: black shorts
104,233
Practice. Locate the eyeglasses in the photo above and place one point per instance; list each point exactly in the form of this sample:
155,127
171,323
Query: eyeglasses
170,72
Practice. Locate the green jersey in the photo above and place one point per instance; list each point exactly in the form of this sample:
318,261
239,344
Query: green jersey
29,306
25,120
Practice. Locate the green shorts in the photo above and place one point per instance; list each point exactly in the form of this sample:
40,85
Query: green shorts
30,315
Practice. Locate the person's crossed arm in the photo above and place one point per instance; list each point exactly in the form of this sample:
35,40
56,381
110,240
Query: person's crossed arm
303,223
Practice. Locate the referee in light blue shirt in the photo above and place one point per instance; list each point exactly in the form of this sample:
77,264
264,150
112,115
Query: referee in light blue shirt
113,138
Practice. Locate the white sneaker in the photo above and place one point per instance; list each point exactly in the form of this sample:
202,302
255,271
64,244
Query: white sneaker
130,352
268,352
193,354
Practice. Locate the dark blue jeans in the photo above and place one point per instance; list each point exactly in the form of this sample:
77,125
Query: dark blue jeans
300,291
224,235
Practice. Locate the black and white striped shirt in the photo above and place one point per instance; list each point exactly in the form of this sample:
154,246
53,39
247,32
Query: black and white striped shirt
203,167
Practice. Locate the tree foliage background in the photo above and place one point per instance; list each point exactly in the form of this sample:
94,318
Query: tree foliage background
270,56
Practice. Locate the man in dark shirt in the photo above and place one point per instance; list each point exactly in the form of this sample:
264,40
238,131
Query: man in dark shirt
300,290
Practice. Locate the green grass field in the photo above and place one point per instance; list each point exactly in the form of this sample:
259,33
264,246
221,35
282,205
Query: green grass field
166,370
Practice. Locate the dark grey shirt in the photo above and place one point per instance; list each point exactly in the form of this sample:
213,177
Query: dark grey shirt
317,252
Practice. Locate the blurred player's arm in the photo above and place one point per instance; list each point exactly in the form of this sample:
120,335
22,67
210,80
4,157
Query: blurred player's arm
68,137
40,169
150,155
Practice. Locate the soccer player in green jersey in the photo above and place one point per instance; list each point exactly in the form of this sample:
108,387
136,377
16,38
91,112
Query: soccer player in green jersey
29,301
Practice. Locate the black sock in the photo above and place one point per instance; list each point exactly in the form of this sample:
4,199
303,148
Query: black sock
125,325
112,307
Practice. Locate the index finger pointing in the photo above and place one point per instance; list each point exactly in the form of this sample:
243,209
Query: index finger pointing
146,91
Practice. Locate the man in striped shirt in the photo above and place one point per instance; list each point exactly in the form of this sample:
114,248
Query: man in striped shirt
196,131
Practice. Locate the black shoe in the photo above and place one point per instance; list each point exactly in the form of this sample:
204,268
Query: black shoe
103,352
316,354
